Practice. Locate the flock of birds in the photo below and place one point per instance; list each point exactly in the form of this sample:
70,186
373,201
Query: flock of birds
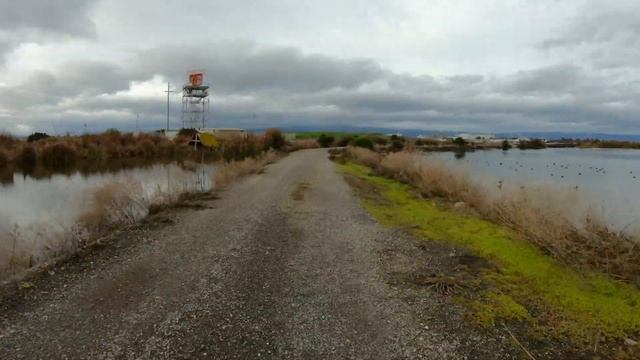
557,170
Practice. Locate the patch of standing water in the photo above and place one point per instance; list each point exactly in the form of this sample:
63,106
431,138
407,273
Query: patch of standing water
36,213
606,179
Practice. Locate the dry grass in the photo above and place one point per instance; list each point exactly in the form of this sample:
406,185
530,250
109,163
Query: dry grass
4,157
227,173
302,144
550,218
112,204
364,156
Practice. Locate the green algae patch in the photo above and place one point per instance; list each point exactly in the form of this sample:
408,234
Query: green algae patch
567,302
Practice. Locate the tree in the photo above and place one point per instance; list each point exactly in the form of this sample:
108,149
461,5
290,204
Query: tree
325,141
506,145
459,141
362,142
273,139
37,136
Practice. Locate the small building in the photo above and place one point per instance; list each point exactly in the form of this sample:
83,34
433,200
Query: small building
476,138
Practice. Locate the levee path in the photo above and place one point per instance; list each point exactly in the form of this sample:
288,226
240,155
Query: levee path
282,265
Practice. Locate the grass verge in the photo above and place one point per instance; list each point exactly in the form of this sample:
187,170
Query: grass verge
527,285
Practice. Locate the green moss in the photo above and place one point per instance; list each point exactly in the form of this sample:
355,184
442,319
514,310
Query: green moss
497,306
578,304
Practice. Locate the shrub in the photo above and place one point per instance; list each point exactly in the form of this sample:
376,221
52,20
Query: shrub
506,145
27,156
228,172
364,156
459,141
112,132
396,145
37,136
147,147
362,142
531,144
378,140
344,141
273,139
59,155
7,141
302,144
325,141
4,157
187,132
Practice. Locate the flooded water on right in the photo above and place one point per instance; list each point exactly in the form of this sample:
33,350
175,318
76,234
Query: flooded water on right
607,180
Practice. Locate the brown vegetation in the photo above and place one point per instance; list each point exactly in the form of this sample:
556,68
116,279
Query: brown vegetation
610,144
545,217
233,170
302,144
4,157
59,153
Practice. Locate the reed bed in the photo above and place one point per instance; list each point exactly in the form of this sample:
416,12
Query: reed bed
66,151
228,172
550,218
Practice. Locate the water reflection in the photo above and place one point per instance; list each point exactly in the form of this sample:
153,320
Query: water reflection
606,178
40,208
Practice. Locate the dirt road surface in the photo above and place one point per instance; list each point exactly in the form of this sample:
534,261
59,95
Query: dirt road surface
283,265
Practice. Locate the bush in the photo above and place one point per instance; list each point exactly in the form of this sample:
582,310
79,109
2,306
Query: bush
4,157
362,142
531,144
325,141
396,145
59,155
27,156
378,140
7,141
112,132
273,139
459,141
506,145
344,141
37,136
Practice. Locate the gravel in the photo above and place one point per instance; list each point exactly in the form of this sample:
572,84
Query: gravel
284,265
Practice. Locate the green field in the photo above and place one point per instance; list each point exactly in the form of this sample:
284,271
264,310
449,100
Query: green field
335,134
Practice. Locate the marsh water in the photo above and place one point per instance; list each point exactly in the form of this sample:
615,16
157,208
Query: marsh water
37,209
606,180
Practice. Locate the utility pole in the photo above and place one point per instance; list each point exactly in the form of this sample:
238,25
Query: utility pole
168,91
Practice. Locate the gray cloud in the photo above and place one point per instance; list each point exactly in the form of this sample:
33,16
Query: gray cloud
604,34
68,17
589,82
43,21
247,67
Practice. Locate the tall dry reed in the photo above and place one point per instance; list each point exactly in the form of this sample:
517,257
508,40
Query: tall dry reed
550,218
228,172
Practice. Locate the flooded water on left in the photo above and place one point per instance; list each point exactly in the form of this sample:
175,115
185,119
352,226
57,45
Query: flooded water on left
41,216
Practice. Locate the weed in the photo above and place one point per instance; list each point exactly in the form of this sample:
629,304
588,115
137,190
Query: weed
59,155
273,139
233,170
570,302
544,216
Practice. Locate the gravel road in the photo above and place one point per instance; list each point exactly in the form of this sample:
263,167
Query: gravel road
283,265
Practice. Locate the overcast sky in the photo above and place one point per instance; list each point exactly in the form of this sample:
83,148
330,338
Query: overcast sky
444,65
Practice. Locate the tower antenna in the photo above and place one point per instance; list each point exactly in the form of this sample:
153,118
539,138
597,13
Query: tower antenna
168,91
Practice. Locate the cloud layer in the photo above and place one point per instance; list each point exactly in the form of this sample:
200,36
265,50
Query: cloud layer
71,65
